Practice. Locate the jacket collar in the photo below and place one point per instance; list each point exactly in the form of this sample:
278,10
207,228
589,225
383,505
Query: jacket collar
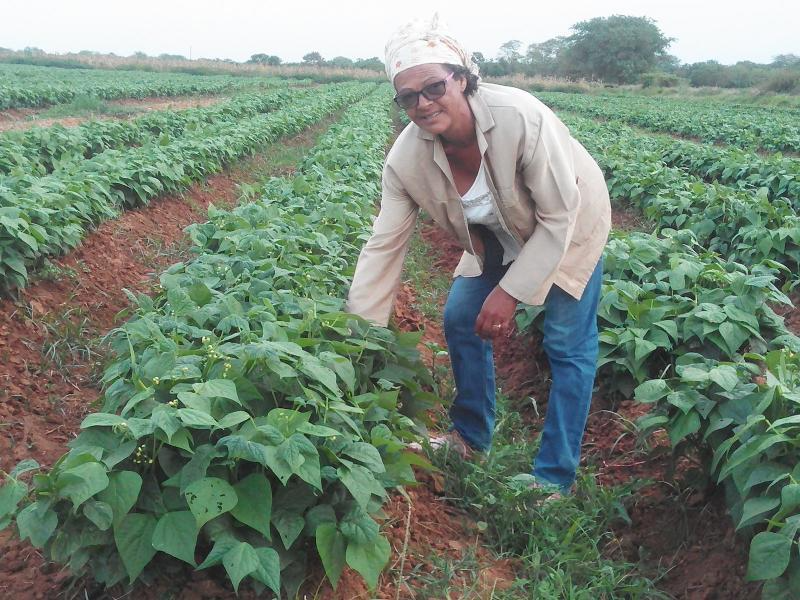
483,119
483,123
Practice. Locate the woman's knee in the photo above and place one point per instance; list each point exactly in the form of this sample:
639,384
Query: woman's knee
459,317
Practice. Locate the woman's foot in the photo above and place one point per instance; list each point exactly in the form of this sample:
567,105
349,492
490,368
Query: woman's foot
451,439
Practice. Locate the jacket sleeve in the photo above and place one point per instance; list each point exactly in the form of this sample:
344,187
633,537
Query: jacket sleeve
548,172
380,263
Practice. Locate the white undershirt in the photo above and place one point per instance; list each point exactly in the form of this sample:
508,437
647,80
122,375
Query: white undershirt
479,210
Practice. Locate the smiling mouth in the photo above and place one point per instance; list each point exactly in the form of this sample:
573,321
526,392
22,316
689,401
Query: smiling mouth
431,116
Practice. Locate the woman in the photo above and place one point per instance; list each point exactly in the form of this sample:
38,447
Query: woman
497,170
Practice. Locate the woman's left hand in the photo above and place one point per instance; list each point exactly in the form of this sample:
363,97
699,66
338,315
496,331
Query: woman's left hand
496,318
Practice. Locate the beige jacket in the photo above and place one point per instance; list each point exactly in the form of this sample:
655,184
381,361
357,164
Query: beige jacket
551,197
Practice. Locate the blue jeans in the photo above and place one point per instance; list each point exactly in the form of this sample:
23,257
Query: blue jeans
571,345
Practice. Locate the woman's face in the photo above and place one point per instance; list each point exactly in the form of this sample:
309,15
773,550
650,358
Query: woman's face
439,116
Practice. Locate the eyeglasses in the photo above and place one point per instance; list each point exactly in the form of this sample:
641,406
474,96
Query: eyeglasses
432,91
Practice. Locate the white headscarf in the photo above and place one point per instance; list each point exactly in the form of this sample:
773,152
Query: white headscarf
422,42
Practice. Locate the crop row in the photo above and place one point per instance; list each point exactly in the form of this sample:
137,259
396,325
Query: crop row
741,224
51,215
734,167
37,151
25,86
694,334
686,320
246,420
741,126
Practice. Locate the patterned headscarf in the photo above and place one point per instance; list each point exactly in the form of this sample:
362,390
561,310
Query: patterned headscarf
422,42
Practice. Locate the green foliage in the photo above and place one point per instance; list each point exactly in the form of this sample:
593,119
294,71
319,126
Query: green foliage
616,49
47,215
686,318
246,422
747,127
34,86
559,547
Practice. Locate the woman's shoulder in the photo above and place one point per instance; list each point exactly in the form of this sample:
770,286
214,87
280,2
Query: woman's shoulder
407,145
498,95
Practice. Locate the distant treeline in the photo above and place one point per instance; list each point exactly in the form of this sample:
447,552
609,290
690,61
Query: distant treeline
614,50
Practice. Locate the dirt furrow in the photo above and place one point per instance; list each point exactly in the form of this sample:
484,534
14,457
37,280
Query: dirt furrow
50,361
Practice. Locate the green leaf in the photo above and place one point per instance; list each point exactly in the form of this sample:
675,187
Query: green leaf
176,534
360,482
101,420
241,561
369,559
752,447
295,455
269,570
790,498
724,376
754,508
165,418
195,418
734,336
217,388
82,482
239,447
342,366
233,419
769,556
10,495
99,513
133,536
24,466
311,366
289,525
683,425
210,497
357,526
331,548
221,547
200,293
317,430
122,492
37,522
367,454
287,421
254,507
651,391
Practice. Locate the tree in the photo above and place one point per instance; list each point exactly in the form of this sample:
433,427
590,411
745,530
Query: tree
342,62
786,61
373,63
617,49
708,73
542,58
265,59
478,58
313,58
510,51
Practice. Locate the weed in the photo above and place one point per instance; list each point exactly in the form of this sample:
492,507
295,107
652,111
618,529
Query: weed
88,106
566,547
430,284
50,271
69,341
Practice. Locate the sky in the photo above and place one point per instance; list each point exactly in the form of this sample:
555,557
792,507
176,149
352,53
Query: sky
722,30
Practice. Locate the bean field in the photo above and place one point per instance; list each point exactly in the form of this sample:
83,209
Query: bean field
186,411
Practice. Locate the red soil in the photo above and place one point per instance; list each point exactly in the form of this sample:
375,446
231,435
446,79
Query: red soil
42,408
